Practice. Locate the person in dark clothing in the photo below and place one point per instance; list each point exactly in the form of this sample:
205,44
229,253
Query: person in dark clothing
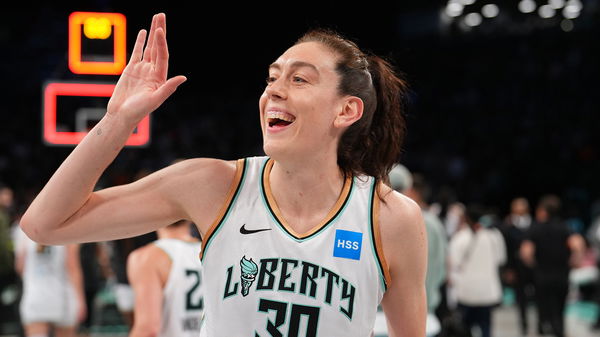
96,270
515,273
7,274
552,249
593,238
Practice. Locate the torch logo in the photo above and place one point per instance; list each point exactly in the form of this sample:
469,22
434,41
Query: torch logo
249,271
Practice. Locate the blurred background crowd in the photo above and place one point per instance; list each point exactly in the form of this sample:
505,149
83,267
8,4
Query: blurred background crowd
503,104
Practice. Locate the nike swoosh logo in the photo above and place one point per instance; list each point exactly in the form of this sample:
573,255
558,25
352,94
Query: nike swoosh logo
243,230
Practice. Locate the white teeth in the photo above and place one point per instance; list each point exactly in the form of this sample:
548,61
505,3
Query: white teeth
280,115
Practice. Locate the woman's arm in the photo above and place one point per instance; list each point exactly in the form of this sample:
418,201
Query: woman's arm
66,209
195,186
404,239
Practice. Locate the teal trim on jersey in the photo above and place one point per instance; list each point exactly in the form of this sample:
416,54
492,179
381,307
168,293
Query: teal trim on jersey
202,321
282,227
372,232
233,200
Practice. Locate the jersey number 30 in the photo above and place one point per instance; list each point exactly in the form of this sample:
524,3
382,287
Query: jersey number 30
280,308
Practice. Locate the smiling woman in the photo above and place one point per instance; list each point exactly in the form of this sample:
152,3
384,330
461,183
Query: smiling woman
301,242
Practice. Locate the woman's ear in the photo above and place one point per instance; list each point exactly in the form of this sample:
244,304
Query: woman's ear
351,111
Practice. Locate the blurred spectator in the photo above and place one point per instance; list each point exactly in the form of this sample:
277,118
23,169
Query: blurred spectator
53,300
415,187
476,253
593,237
8,276
455,218
6,248
552,249
401,178
96,270
516,274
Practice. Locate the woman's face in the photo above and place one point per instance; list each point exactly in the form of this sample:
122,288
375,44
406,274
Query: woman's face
300,102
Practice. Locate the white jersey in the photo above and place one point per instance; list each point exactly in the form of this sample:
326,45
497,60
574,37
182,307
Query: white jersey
183,298
48,295
267,280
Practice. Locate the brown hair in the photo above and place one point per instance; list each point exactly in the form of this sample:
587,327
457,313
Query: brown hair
372,145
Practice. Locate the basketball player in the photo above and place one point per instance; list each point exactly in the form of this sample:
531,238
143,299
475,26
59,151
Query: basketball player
306,241
53,301
166,279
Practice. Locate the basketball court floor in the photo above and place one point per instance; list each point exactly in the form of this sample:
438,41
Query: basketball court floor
579,318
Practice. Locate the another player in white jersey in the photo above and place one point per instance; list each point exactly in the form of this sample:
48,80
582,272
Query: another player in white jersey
337,240
53,302
166,279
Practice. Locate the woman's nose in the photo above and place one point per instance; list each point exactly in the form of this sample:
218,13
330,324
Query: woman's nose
276,90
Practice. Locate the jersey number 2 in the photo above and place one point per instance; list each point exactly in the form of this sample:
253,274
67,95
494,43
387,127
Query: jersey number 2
190,304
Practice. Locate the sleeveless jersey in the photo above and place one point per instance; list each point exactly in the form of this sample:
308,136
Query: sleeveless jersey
267,280
183,298
48,295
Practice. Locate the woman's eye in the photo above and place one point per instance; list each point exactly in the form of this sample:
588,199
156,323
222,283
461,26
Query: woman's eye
299,79
270,79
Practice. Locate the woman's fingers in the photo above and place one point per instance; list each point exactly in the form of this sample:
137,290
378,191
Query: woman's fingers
150,43
164,23
160,24
136,55
161,59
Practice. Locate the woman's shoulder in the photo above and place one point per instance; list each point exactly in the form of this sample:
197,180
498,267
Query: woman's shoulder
400,217
396,206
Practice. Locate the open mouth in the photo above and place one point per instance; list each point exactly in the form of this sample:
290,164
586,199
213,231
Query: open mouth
279,119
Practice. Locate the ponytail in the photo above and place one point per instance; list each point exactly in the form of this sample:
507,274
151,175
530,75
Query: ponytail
388,128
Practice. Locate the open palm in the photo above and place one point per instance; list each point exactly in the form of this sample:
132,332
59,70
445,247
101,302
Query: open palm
143,86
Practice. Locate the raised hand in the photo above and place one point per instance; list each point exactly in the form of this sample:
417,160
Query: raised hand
143,86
